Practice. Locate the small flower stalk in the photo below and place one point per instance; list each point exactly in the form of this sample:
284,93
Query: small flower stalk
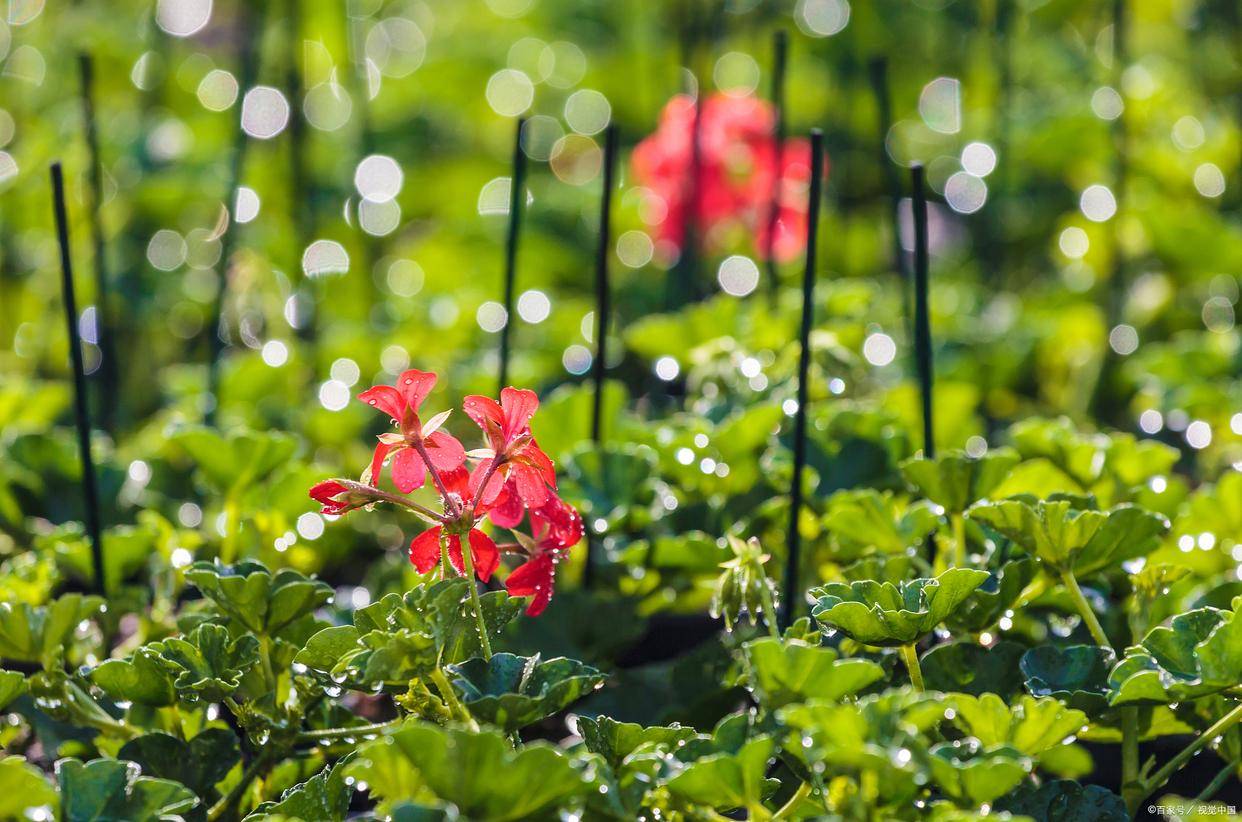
507,481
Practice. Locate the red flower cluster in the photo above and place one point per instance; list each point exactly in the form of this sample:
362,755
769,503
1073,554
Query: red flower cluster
737,173
511,478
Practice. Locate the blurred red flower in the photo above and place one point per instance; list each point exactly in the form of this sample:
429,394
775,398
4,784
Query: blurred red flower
737,174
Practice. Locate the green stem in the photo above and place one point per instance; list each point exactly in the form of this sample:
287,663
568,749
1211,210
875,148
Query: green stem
1175,764
959,539
1084,609
232,524
468,561
446,568
374,729
1130,772
1218,781
235,793
449,695
804,790
910,657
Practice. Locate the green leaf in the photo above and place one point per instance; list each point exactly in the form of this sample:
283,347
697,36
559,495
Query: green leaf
1028,725
781,673
968,668
866,518
255,598
1075,674
24,788
955,480
230,462
208,665
512,692
198,764
12,685
967,770
39,634
111,789
141,679
1060,443
1198,654
326,795
877,613
609,480
479,773
1074,539
1063,800
728,780
615,740
453,626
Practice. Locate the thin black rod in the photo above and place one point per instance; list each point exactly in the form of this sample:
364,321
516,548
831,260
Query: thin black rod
90,494
877,71
793,594
301,195
603,309
603,294
251,36
780,49
922,320
108,373
517,201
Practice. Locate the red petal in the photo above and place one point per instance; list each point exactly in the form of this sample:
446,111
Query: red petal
488,415
445,451
454,552
377,462
494,485
385,398
535,456
507,510
457,481
323,492
557,525
425,550
484,554
409,472
534,578
530,485
519,405
415,385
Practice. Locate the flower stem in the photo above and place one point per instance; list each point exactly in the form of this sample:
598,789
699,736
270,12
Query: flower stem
373,729
235,794
910,656
395,499
475,602
449,695
435,472
1084,609
487,477
804,790
959,540
1175,764
1218,781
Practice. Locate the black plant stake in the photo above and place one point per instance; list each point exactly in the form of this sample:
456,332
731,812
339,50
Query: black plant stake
792,559
251,36
603,300
517,201
780,47
90,494
922,320
878,73
108,374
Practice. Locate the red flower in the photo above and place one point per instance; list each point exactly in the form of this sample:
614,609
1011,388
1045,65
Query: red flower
557,527
736,173
521,466
409,470
425,552
341,496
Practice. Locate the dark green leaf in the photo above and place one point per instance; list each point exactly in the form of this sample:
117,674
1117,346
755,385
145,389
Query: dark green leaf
968,668
141,679
198,764
1075,674
207,663
1063,800
956,480
1198,654
886,614
326,795
255,598
512,692
109,789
